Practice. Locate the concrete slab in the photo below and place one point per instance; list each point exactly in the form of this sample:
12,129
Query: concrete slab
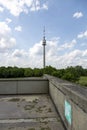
33,112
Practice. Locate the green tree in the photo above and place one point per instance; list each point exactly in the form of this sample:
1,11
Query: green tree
71,74
49,70
3,73
38,72
28,72
79,70
58,73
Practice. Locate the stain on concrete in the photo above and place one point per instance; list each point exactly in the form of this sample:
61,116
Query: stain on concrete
14,99
33,112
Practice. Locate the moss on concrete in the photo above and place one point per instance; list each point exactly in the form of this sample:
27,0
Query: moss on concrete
14,100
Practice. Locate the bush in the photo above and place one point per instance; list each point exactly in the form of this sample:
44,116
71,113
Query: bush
38,72
28,72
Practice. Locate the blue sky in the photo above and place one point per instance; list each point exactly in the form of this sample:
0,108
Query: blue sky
21,32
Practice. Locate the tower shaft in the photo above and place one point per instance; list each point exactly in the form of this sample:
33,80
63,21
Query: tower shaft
44,62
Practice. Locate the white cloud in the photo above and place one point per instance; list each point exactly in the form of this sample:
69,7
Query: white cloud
16,7
8,20
53,56
72,58
34,56
82,35
51,48
85,53
45,6
1,9
4,29
6,39
18,28
36,6
19,53
6,43
78,15
36,50
69,45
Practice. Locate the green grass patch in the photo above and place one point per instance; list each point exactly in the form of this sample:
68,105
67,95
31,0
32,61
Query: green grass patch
83,81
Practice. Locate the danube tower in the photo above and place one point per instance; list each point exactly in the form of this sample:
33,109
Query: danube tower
44,44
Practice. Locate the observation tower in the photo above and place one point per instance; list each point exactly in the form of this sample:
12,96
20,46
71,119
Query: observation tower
44,44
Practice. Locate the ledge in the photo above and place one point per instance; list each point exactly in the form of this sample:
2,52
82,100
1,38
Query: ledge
75,92
24,79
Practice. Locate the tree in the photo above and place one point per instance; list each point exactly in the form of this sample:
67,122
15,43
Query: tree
79,70
38,72
28,72
71,74
58,73
49,70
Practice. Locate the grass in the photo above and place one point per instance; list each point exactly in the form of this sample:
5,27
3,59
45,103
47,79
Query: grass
83,81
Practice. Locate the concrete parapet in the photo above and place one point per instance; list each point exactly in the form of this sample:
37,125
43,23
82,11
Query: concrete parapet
24,86
70,101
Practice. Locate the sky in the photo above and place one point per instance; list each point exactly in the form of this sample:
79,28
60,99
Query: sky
21,33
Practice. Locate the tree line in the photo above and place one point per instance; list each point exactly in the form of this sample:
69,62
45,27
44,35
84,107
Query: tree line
70,73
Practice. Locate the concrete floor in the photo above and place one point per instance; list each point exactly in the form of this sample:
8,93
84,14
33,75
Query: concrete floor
34,112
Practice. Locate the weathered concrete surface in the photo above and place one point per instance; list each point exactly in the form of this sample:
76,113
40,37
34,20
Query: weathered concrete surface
24,86
28,113
61,92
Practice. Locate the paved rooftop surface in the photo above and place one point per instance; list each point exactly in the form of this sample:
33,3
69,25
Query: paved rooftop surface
28,113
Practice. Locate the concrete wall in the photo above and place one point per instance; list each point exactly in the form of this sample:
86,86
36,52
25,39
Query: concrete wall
24,86
70,101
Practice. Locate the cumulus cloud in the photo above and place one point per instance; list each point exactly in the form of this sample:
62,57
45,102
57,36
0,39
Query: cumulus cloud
18,28
77,15
34,56
6,39
45,6
36,6
85,53
4,29
18,6
53,56
82,35
36,50
6,43
8,20
19,53
69,45
51,48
